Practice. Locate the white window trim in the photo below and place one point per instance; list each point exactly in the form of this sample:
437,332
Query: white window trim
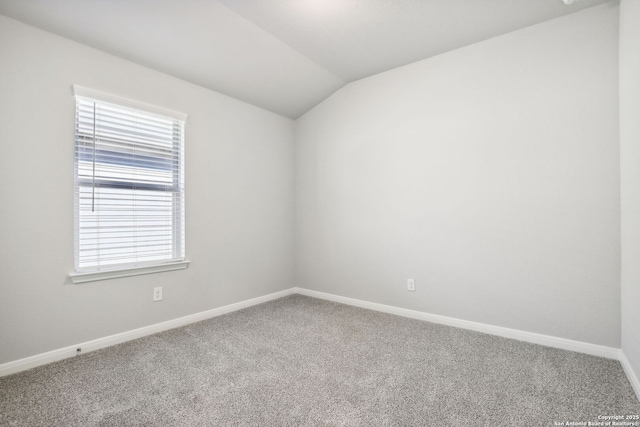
94,276
114,99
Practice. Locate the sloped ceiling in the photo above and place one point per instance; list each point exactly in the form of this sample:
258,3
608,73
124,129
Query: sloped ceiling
282,55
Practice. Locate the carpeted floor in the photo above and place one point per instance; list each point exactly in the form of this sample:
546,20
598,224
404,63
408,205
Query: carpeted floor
303,361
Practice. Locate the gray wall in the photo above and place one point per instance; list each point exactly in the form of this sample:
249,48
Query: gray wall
239,198
489,174
630,173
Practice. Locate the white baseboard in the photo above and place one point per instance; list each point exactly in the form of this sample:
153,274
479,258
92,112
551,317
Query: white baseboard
633,378
547,340
562,343
70,351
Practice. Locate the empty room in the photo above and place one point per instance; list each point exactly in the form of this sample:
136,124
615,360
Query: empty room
319,213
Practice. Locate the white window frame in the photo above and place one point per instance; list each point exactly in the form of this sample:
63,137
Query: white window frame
93,273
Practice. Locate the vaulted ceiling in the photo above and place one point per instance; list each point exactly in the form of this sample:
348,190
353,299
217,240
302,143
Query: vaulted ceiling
282,55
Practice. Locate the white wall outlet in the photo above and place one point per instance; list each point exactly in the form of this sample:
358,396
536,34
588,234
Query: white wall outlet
157,294
411,285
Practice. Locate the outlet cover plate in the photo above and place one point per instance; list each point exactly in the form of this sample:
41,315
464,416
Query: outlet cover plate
157,294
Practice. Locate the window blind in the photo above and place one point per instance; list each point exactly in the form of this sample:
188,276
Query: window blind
129,187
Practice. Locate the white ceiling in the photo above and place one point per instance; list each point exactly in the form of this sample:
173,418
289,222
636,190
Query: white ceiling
282,55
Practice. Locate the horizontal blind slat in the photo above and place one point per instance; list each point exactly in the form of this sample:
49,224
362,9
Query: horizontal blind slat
129,186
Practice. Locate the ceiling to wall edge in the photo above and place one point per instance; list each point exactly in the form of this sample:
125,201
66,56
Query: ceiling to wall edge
316,101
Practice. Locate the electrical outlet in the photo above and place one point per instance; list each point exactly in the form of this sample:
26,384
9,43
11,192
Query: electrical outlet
411,285
157,294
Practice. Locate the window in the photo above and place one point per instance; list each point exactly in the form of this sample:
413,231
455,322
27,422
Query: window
129,187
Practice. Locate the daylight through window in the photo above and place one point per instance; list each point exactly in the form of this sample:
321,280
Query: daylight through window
129,188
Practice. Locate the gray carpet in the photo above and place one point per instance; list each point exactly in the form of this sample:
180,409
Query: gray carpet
303,361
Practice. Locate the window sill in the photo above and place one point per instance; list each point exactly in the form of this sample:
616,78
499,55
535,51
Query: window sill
93,276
